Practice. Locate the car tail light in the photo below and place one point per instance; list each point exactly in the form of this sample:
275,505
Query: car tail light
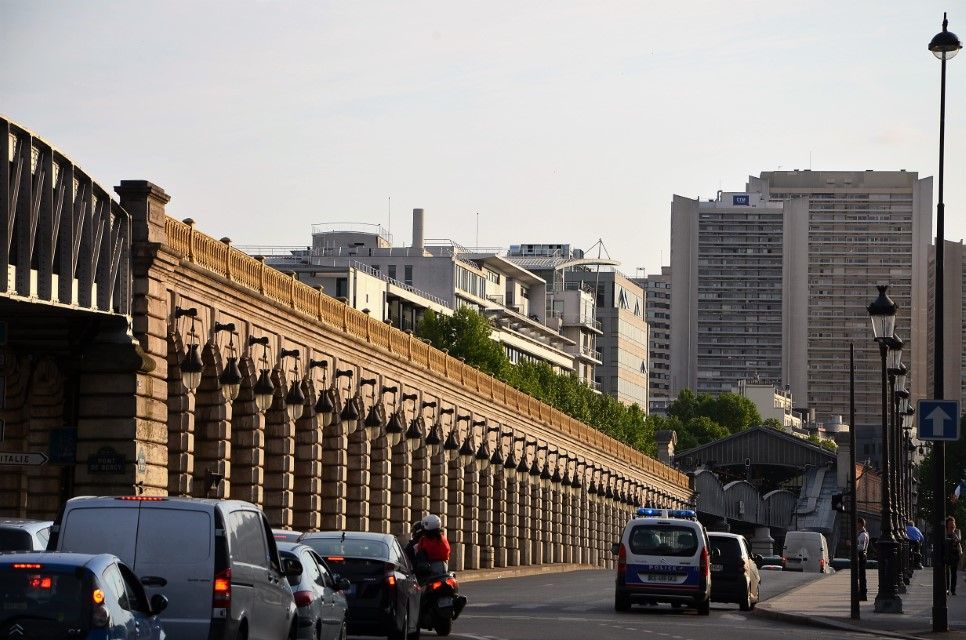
221,590
433,586
452,582
705,564
100,616
303,598
41,582
335,559
622,559
821,565
142,498
26,565
391,581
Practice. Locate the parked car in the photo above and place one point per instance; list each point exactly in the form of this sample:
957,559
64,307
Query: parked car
286,535
773,562
318,595
19,534
663,556
806,551
383,596
734,574
216,560
72,595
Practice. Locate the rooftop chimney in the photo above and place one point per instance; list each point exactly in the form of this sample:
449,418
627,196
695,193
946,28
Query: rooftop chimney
418,229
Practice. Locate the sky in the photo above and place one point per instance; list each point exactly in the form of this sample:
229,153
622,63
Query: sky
563,122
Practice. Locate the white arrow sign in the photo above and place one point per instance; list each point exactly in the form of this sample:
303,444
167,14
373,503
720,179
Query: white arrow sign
32,459
938,418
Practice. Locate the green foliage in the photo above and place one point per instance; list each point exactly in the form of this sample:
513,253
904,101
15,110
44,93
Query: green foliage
773,423
700,418
829,444
955,471
467,335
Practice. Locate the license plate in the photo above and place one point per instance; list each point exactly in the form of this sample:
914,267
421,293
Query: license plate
661,577
444,602
717,567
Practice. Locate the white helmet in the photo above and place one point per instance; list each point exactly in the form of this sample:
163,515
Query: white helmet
431,523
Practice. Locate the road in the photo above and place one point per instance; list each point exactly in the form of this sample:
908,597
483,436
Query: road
579,606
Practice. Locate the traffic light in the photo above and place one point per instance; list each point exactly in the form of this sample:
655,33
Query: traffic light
838,502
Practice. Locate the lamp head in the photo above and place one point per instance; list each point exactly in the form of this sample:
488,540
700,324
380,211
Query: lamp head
945,45
882,311
230,379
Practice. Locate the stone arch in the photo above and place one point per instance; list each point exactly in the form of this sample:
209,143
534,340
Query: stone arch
212,428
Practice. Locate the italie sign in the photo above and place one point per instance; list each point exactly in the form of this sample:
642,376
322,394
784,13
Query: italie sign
106,460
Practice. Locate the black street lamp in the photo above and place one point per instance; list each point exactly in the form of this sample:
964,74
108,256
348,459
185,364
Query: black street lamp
944,45
897,377
883,314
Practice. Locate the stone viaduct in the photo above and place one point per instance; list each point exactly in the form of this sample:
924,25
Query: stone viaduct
144,356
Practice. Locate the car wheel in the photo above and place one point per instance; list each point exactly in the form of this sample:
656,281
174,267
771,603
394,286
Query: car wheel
745,604
243,631
401,634
443,627
704,608
622,602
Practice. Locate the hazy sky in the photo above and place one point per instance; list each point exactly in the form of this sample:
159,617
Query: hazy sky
556,121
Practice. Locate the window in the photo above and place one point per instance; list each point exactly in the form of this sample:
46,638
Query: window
135,592
392,271
663,540
408,274
324,574
341,287
246,539
113,582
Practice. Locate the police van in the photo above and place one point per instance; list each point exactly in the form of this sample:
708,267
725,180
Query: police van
663,556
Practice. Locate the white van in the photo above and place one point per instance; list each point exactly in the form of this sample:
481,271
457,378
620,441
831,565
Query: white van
806,551
215,560
663,556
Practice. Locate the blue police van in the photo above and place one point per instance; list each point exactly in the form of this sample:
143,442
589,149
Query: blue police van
663,556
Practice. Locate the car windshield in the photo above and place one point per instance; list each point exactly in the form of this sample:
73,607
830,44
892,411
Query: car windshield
349,547
43,597
663,540
728,547
15,540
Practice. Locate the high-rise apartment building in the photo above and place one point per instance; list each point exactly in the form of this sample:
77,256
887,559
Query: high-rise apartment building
821,241
657,312
726,261
954,330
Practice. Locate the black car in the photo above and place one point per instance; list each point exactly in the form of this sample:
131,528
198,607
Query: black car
734,573
383,595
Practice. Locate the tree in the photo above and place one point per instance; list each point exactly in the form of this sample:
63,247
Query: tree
773,423
465,334
955,472
733,412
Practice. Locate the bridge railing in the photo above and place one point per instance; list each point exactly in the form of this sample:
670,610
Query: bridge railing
63,239
221,258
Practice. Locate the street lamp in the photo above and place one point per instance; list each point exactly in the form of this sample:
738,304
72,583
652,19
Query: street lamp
897,377
882,312
944,45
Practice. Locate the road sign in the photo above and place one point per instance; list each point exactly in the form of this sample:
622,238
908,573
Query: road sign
938,420
23,459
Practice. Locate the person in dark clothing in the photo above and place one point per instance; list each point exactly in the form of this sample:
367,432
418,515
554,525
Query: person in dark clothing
412,547
862,547
951,553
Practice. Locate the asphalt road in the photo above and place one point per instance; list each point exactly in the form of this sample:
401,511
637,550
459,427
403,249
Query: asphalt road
579,606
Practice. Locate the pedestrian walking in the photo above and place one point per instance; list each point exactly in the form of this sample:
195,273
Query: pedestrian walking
915,544
952,552
862,547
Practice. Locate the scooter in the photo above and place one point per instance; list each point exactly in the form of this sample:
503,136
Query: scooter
441,603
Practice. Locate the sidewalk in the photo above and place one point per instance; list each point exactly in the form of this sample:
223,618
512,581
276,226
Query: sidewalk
825,602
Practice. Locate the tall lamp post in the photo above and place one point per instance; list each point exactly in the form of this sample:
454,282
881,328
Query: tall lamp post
944,45
883,314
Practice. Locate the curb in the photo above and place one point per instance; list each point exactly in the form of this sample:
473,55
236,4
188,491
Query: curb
478,575
764,611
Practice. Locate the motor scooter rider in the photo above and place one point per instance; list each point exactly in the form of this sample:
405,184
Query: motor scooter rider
433,545
412,547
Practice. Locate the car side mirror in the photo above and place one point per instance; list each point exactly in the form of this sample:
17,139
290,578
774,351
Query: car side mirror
158,604
615,548
291,567
342,584
757,558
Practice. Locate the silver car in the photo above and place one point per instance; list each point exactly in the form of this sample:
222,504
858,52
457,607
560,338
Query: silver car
318,595
19,534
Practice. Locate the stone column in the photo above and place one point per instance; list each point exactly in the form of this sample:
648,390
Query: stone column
279,458
400,514
471,518
335,477
380,486
486,519
455,499
503,515
762,542
181,427
538,516
359,481
421,503
525,523
309,465
439,492
566,527
212,450
248,440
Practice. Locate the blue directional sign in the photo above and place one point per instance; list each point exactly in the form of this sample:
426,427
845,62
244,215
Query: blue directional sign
938,419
